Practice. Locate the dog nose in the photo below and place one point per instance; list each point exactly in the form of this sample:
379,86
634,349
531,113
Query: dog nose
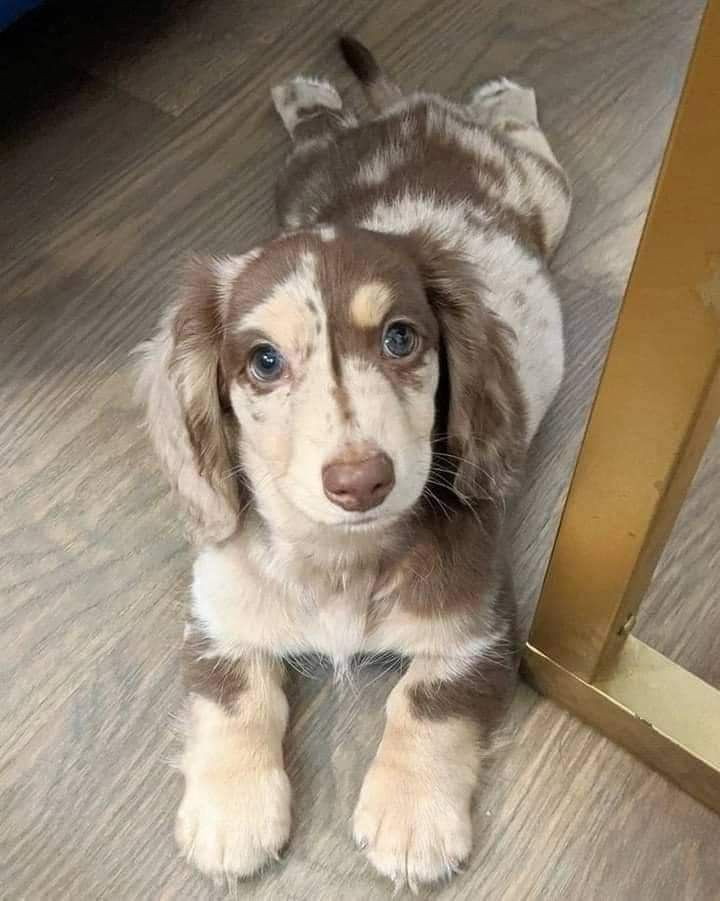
359,485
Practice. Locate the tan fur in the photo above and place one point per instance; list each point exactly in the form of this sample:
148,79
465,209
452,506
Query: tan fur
369,304
284,314
233,764
413,813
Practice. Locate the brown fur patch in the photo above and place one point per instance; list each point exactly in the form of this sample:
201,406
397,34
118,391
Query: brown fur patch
536,231
215,678
189,414
342,399
450,565
380,90
483,692
195,329
320,185
481,425
481,695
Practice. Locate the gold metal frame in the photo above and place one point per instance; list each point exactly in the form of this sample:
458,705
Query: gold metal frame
655,410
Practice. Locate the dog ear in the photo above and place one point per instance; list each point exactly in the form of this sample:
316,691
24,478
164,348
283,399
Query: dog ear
484,415
188,415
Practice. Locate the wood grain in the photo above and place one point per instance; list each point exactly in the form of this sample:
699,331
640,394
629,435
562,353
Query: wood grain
135,137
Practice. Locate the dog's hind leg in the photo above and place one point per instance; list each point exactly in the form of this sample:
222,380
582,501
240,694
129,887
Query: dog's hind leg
510,110
313,113
505,105
311,109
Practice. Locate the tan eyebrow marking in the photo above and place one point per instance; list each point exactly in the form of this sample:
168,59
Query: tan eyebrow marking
290,313
369,304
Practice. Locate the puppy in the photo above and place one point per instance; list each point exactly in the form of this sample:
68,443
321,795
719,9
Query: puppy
344,412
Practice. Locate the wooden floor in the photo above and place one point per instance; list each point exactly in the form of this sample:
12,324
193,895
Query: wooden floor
135,134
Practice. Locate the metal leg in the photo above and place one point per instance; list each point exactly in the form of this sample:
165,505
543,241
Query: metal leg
656,407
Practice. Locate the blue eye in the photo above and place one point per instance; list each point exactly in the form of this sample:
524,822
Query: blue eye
266,363
400,340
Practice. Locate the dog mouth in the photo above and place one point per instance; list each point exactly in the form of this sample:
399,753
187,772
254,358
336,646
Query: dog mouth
360,523
366,521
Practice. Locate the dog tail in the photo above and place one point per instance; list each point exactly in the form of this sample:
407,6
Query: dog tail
381,92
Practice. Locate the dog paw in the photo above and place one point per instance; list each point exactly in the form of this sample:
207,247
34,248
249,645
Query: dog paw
292,98
502,100
413,829
494,88
234,825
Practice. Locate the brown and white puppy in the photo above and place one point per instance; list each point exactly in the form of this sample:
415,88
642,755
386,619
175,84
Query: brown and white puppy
345,411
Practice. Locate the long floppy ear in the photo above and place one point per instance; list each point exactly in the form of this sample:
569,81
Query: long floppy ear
188,417
485,409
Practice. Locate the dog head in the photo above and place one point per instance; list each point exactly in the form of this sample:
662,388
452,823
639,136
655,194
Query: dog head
332,379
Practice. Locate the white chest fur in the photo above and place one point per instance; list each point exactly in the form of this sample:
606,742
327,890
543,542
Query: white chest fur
246,601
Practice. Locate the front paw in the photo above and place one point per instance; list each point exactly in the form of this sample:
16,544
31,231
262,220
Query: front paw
413,828
233,824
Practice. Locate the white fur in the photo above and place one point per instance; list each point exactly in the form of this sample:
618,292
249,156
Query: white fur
228,269
292,97
298,93
375,170
250,596
253,596
327,233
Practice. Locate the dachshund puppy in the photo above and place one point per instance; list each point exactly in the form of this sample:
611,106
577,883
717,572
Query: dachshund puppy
344,412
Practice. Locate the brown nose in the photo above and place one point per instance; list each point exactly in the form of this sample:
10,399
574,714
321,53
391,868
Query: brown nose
359,485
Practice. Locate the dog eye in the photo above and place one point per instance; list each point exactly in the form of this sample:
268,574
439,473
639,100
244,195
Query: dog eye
266,363
400,340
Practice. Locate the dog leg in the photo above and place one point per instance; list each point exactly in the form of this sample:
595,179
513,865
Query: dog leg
503,104
511,111
413,815
235,814
310,108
